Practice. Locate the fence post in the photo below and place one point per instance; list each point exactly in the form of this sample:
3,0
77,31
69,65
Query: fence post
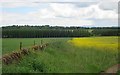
20,45
41,42
34,42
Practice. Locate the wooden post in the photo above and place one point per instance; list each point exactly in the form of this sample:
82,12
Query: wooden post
41,42
34,42
20,45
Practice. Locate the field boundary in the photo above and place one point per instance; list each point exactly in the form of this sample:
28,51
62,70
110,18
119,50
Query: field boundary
17,55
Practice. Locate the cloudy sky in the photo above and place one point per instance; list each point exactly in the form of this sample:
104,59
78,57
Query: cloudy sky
59,12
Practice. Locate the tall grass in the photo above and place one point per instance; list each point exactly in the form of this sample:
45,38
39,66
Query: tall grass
60,56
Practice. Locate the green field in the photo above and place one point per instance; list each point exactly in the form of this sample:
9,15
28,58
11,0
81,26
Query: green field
64,55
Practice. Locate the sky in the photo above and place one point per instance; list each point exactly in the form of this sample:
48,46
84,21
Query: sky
92,13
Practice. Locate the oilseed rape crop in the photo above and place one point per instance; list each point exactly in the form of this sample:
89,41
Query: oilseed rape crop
105,43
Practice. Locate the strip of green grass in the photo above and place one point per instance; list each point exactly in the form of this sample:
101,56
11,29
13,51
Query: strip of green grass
59,57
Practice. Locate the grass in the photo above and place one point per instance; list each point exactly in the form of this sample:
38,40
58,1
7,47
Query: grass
0,55
64,55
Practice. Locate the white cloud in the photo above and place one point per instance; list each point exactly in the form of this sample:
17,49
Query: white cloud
109,0
63,10
33,3
98,13
44,13
48,0
58,14
109,6
58,0
11,19
18,4
93,11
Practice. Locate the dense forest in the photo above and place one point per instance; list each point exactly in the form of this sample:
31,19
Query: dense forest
27,31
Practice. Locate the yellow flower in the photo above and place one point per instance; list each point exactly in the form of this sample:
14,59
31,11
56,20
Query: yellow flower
110,43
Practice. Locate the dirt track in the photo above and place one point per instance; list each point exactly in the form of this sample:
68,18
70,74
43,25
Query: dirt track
114,69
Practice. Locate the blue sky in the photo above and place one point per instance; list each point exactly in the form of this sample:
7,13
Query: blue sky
70,13
21,10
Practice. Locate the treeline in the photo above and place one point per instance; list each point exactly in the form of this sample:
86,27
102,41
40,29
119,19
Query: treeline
106,32
56,31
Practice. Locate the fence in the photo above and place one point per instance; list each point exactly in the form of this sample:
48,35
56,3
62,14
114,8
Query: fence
9,58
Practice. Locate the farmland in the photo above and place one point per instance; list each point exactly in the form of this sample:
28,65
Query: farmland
63,55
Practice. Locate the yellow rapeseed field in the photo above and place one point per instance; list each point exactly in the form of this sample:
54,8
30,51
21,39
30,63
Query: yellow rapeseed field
108,43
